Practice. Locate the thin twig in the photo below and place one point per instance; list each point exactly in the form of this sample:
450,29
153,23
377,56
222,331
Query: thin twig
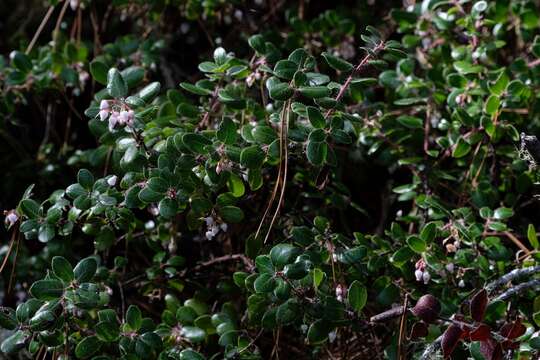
39,29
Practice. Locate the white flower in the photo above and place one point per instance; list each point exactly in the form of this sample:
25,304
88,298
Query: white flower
238,14
11,218
74,4
103,114
426,277
123,118
450,267
418,274
209,220
209,235
332,335
461,283
112,180
224,227
83,77
114,119
104,105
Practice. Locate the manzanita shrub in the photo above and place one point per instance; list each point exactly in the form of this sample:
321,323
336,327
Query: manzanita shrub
332,180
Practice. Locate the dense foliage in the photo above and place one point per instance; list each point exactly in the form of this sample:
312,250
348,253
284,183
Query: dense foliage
270,179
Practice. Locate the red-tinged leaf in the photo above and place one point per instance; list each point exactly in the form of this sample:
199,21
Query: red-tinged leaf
513,330
478,305
491,350
481,333
419,329
450,339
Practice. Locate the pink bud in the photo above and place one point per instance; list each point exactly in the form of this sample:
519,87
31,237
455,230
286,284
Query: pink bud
11,218
74,4
104,105
103,114
123,118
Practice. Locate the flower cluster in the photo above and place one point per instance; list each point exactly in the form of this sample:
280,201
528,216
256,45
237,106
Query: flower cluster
122,115
214,226
421,272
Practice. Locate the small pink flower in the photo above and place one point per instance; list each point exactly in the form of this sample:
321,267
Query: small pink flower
11,218
103,114
104,105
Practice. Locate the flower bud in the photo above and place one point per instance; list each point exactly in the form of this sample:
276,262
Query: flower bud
450,267
418,274
104,105
103,114
74,4
123,118
112,180
426,277
11,218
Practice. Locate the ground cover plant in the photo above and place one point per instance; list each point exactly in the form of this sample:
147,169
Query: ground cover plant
192,179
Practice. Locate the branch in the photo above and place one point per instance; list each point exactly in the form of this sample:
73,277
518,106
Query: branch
517,289
512,275
431,349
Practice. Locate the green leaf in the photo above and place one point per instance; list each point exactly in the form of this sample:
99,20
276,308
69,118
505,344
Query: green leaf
411,122
62,269
285,69
297,270
357,295
417,244
87,347
314,92
148,195
503,213
193,334
500,84
429,232
264,283
194,89
85,179
252,157
196,142
461,149
168,208
231,214
150,91
107,331
189,354
30,208
46,232
337,63
134,317
116,85
316,152
283,254
278,90
98,70
227,131
47,289
318,332
85,270
492,105
14,342
531,235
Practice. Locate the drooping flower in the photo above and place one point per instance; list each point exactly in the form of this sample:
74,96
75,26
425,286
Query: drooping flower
11,218
112,180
